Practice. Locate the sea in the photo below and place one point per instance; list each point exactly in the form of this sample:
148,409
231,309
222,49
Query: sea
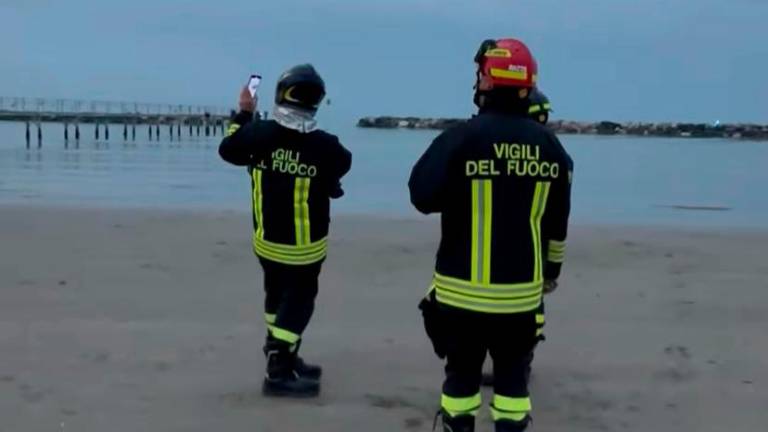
620,180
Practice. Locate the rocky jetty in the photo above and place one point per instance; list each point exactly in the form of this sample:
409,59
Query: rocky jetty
682,130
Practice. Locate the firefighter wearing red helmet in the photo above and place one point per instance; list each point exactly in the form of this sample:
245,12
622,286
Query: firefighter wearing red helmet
501,183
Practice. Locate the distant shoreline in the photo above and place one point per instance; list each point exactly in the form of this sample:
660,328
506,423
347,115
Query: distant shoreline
669,130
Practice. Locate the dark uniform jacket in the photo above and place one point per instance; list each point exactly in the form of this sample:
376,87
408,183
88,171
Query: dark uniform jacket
502,183
293,177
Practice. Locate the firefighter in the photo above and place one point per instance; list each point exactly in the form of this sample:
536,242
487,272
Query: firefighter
502,186
539,109
295,170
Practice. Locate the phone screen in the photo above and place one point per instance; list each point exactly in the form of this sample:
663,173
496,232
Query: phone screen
253,84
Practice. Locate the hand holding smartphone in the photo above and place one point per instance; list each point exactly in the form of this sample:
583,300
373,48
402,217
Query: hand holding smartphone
248,96
253,84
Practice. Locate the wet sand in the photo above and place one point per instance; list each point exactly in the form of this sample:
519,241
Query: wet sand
151,321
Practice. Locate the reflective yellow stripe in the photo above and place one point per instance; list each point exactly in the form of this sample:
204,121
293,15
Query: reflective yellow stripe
289,259
539,319
475,251
533,109
301,210
257,203
317,246
290,254
538,206
305,212
507,403
521,74
547,107
284,335
503,415
510,408
482,220
461,406
499,306
509,291
270,318
487,226
490,298
498,52
556,252
539,331
233,127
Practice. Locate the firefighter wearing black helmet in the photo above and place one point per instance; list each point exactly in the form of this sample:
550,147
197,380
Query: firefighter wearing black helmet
295,170
502,186
539,107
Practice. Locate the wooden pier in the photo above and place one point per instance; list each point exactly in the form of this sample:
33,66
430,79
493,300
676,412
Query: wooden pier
195,120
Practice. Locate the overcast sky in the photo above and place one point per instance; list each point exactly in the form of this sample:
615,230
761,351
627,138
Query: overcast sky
699,60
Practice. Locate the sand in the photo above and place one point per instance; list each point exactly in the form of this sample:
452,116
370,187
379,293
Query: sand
151,321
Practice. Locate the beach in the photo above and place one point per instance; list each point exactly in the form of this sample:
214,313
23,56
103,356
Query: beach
151,320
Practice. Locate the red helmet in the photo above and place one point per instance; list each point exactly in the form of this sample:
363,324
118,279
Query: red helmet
505,63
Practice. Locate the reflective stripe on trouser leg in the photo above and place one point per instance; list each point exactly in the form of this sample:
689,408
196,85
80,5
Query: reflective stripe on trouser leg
270,318
459,406
482,217
538,206
510,408
539,324
284,335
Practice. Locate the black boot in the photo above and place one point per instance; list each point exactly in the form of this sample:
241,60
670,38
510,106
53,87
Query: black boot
464,423
304,369
282,380
512,426
308,370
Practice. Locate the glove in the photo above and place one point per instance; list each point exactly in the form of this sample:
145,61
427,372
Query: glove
550,286
337,192
433,323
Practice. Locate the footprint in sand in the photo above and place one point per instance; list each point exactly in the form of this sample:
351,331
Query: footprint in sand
680,369
96,358
29,394
154,266
413,423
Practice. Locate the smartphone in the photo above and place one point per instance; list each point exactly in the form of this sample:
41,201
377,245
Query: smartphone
253,84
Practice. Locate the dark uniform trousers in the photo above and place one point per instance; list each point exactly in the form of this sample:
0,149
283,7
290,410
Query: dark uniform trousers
290,298
470,336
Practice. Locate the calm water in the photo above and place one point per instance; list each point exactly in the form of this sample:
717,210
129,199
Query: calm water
618,180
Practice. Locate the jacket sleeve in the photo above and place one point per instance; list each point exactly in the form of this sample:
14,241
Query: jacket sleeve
341,165
556,216
237,146
431,174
